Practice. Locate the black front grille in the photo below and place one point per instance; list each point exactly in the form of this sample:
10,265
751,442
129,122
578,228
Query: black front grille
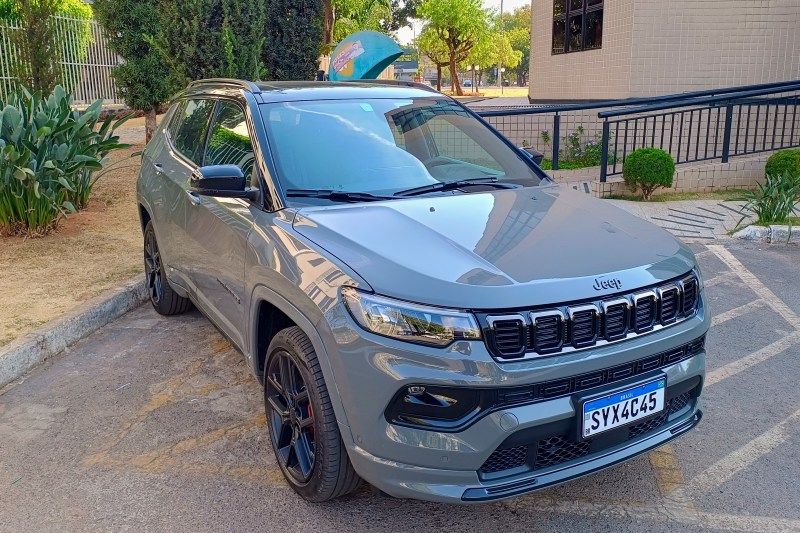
505,459
584,324
557,450
616,321
583,328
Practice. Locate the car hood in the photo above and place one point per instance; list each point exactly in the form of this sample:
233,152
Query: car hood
496,250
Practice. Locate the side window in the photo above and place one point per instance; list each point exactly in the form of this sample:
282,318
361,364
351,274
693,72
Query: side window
191,133
229,143
175,120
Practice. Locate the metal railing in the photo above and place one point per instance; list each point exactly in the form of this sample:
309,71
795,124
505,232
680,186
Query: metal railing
86,60
715,124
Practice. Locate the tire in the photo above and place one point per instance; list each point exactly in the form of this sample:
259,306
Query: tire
301,423
165,300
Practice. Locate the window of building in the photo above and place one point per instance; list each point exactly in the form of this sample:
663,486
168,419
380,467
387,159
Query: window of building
577,25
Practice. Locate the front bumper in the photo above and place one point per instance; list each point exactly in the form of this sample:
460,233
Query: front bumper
455,486
447,466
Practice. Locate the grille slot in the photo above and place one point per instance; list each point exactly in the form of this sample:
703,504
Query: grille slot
583,325
616,319
669,304
689,286
644,315
548,331
509,336
557,450
505,459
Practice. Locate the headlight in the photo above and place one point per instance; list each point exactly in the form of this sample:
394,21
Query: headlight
409,322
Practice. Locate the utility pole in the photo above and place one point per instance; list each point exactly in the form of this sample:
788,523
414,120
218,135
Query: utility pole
500,61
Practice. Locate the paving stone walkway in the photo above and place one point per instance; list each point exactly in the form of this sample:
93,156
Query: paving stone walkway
691,220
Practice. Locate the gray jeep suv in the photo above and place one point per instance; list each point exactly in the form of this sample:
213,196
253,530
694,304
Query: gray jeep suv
424,307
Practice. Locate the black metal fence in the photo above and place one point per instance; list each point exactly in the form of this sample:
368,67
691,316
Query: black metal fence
700,126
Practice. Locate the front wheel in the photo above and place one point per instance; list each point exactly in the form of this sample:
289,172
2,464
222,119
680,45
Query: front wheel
302,425
165,300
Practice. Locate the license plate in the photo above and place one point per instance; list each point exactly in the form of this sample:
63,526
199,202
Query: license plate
623,407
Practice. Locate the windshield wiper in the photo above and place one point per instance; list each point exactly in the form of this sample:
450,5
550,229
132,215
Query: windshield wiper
450,185
329,194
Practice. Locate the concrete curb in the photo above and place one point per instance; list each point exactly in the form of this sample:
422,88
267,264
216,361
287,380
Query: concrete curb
770,234
56,336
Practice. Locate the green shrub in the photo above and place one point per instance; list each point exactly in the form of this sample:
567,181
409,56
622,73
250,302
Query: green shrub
648,169
773,202
49,158
784,162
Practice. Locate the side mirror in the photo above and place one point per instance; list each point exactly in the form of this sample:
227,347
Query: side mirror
222,181
535,156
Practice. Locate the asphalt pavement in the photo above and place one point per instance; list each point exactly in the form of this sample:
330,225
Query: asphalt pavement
155,424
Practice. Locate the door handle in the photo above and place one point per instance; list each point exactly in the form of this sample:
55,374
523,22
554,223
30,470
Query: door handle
193,197
159,168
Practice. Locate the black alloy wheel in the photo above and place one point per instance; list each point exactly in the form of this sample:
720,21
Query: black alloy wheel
164,299
291,417
302,426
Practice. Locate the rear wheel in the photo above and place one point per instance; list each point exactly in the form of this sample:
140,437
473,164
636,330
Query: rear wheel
302,425
165,300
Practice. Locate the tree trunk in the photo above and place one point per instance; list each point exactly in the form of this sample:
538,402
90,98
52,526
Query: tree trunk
149,124
327,25
439,77
454,83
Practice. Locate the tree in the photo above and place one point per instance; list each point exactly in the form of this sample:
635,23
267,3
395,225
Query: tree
430,45
517,26
458,24
39,65
402,12
505,54
142,78
357,15
294,38
211,38
483,54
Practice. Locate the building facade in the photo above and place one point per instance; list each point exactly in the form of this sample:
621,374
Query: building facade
609,49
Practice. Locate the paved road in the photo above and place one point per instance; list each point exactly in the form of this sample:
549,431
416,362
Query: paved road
154,424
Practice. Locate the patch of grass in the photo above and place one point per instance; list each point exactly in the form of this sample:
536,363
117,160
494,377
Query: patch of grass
727,195
547,164
792,221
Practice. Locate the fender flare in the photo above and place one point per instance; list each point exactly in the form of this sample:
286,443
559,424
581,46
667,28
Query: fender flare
261,293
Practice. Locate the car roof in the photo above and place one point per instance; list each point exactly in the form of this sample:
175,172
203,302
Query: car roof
286,91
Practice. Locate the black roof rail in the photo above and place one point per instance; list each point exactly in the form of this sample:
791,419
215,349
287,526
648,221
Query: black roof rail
243,84
400,83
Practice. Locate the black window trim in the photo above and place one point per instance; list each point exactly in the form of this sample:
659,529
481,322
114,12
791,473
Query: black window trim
568,13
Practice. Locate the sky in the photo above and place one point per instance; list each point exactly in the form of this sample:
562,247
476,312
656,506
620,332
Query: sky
405,35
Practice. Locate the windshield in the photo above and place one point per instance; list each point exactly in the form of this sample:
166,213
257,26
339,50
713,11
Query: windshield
386,147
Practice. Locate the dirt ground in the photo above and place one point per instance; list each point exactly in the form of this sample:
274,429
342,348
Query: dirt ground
91,252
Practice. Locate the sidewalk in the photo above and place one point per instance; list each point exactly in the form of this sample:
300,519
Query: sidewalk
691,220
